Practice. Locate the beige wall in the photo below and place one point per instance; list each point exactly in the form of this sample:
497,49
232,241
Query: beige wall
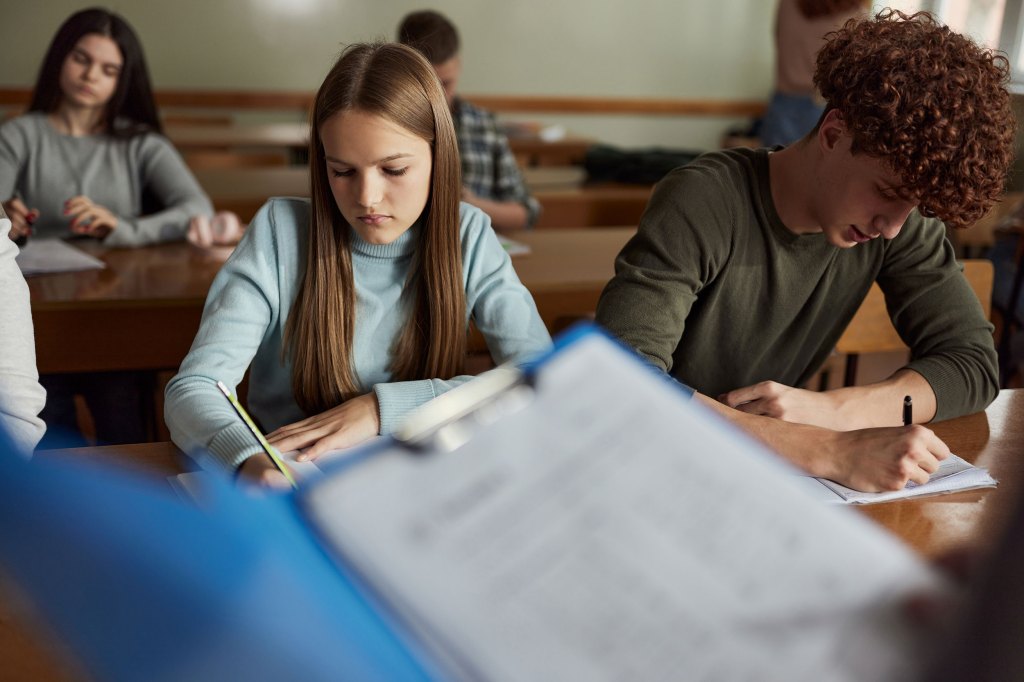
637,48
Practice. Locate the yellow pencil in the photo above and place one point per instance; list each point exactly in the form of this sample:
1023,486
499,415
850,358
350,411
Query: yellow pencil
267,447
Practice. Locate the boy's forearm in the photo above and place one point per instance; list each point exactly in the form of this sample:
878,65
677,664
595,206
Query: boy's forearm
800,444
881,403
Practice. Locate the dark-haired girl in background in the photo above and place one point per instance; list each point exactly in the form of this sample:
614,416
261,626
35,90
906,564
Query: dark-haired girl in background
90,145
80,162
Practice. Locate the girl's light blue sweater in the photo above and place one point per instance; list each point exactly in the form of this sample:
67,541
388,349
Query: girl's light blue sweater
250,300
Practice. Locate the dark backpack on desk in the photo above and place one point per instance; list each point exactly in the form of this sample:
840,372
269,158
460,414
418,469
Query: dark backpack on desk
639,166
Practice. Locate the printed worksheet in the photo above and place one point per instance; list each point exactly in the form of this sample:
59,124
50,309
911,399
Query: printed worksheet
613,529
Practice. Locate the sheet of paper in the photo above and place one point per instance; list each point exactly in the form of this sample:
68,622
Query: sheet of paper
613,529
953,475
190,484
513,247
42,256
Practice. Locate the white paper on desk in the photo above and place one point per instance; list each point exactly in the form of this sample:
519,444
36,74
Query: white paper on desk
613,529
44,256
953,475
512,247
190,485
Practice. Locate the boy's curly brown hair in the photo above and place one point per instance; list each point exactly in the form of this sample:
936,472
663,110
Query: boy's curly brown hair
928,101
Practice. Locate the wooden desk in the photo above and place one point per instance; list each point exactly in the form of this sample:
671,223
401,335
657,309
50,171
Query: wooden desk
289,136
993,439
531,150
143,310
929,525
597,205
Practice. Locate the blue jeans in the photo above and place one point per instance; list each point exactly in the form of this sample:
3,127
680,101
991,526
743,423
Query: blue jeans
788,118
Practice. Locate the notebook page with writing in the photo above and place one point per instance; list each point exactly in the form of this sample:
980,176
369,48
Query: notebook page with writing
612,529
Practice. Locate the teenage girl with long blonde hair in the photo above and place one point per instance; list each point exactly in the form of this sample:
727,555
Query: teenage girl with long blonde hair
351,309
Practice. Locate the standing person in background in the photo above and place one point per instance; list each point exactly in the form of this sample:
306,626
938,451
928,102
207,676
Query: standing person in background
491,180
21,396
800,28
88,159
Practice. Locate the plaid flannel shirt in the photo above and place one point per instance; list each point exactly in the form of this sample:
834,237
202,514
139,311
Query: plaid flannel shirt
488,167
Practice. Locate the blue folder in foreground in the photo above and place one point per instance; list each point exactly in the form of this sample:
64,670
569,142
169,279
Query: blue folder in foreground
141,585
583,519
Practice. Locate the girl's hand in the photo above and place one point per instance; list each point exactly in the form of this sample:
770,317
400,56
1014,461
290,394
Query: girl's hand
348,424
88,218
260,471
21,217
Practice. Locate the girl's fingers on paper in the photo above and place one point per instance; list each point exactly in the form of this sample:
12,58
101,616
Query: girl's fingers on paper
344,425
275,480
299,439
340,440
289,437
295,442
260,471
291,429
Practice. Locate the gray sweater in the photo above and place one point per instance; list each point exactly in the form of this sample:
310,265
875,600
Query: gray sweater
21,396
45,168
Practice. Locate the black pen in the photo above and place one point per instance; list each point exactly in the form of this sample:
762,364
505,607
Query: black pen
908,410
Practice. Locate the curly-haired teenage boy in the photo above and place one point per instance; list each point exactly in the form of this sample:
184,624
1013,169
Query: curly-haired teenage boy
749,264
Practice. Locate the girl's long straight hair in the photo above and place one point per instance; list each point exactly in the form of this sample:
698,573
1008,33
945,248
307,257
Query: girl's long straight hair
397,83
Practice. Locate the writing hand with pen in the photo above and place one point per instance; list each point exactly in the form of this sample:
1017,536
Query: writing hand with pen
861,445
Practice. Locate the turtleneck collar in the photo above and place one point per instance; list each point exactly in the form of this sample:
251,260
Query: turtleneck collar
400,248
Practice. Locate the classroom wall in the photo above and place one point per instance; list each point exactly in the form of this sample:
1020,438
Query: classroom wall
602,48
698,49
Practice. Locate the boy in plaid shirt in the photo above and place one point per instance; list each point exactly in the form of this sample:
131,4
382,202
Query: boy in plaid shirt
490,177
